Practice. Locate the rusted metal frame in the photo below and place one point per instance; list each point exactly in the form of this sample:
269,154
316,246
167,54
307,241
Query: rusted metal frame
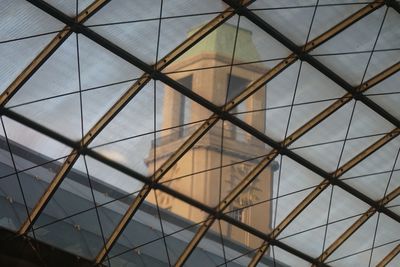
50,48
321,187
389,257
290,139
17,84
356,225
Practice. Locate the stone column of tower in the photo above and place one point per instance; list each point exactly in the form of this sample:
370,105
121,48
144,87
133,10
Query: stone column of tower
212,83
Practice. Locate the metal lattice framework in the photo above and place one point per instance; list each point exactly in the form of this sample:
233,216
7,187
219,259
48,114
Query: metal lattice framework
219,113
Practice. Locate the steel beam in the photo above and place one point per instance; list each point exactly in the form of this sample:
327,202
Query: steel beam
356,225
289,140
389,257
321,187
174,84
305,56
118,106
46,53
24,76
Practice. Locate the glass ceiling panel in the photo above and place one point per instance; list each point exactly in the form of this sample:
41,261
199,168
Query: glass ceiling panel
78,83
352,47
71,8
57,76
17,55
329,13
21,19
294,22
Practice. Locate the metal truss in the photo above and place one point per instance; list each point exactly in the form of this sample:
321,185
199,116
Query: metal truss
116,108
356,225
47,52
19,82
389,257
153,72
321,187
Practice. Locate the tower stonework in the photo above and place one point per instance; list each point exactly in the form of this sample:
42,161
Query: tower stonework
211,186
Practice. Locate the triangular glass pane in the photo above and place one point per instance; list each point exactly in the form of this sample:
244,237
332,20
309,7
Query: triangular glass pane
388,230
151,254
143,34
381,251
302,114
336,228
134,152
280,90
325,156
79,234
118,11
15,56
331,129
61,114
367,122
345,205
13,210
314,86
191,7
380,61
144,228
239,245
36,150
57,76
388,38
358,37
350,67
253,44
354,147
214,50
360,240
175,30
69,7
360,258
73,196
211,250
283,258
329,15
292,22
135,119
380,161
388,85
309,242
97,102
286,204
108,183
293,177
21,19
388,103
98,66
307,220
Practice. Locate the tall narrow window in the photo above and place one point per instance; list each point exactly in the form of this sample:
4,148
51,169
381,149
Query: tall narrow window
184,106
236,86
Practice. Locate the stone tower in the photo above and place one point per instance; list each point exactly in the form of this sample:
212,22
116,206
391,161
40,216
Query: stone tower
207,186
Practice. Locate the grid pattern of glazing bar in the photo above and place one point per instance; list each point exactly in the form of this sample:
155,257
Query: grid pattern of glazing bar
154,72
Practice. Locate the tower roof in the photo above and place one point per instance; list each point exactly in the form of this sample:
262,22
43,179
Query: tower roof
221,42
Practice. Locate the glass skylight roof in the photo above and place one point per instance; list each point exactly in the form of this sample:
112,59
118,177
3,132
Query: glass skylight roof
203,133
